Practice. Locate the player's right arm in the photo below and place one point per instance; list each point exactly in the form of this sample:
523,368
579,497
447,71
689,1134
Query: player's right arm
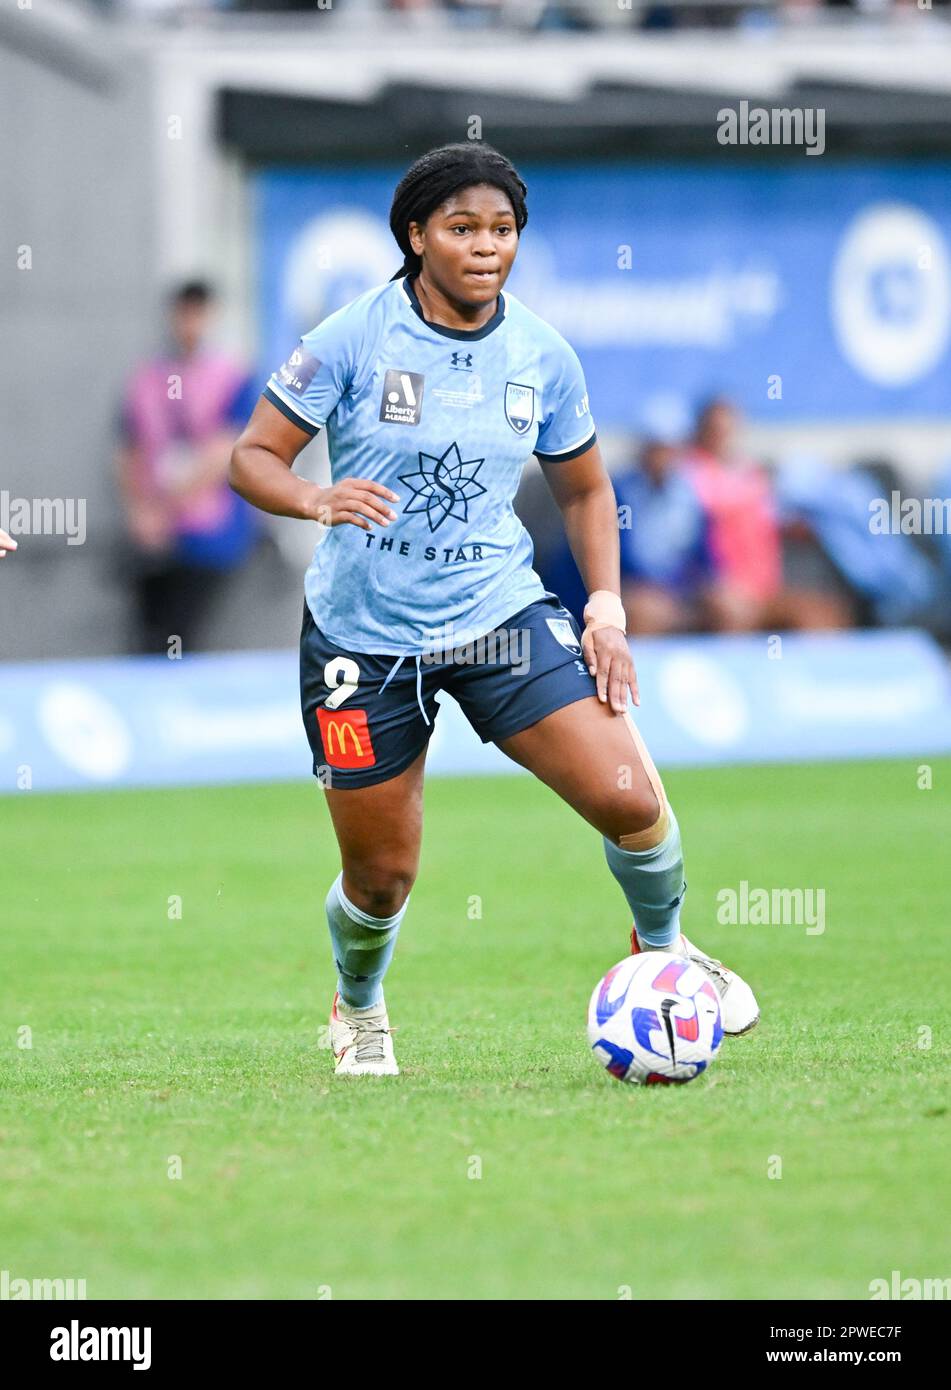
261,472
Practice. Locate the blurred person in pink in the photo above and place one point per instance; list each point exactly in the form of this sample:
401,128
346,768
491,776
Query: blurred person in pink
745,538
182,412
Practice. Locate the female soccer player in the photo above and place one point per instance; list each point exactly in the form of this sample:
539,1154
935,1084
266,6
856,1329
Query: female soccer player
436,388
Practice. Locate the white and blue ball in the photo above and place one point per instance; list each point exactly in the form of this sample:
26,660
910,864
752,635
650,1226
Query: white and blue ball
655,1019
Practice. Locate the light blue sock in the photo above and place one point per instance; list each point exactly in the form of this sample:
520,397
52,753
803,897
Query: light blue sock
653,883
363,947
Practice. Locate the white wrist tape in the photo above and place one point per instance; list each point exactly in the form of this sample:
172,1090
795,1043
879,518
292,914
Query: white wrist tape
604,609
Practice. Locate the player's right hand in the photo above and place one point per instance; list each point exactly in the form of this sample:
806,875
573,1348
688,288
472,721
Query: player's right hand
357,501
6,543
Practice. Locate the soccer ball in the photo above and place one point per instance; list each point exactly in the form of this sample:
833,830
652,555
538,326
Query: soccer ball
655,1018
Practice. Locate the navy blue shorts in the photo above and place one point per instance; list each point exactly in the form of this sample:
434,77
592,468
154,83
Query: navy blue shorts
368,717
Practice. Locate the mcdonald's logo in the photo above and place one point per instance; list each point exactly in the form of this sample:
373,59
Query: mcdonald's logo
346,737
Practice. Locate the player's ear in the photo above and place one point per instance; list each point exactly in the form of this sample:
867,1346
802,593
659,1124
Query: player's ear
416,237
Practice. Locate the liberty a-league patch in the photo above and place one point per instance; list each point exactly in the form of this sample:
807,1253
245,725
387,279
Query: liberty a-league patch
402,402
519,406
561,630
298,371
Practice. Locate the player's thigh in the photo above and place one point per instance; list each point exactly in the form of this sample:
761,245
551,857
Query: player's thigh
536,700
596,761
368,722
379,830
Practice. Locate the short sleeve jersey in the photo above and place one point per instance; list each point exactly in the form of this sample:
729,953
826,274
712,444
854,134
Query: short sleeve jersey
445,418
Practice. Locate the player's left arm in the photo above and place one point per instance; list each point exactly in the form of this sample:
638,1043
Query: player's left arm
585,497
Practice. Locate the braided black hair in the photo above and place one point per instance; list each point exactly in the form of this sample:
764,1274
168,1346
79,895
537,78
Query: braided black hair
436,176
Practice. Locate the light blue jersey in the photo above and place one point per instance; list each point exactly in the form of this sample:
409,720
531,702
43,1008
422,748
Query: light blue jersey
446,418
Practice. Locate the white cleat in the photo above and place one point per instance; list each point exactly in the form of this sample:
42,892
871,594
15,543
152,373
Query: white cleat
361,1041
739,1011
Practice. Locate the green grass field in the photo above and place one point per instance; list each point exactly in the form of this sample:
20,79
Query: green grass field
197,1038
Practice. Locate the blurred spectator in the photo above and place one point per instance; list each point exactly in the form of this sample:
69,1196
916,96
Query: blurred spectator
749,592
891,577
596,15
666,559
941,489
939,545
182,412
474,13
744,536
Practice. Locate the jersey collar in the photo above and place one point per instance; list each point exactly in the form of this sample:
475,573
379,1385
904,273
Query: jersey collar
466,334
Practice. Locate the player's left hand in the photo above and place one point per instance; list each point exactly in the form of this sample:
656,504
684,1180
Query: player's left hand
6,543
608,659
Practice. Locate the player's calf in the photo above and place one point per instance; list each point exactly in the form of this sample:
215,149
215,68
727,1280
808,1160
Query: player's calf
648,863
363,946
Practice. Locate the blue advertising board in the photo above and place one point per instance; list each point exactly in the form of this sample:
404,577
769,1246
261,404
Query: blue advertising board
147,721
806,292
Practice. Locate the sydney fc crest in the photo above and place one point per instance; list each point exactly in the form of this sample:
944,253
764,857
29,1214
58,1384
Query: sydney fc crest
560,628
519,406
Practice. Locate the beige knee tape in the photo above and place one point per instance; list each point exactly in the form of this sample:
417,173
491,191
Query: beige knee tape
654,834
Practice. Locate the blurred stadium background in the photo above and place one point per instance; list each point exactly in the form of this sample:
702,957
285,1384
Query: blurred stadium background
255,147
164,966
